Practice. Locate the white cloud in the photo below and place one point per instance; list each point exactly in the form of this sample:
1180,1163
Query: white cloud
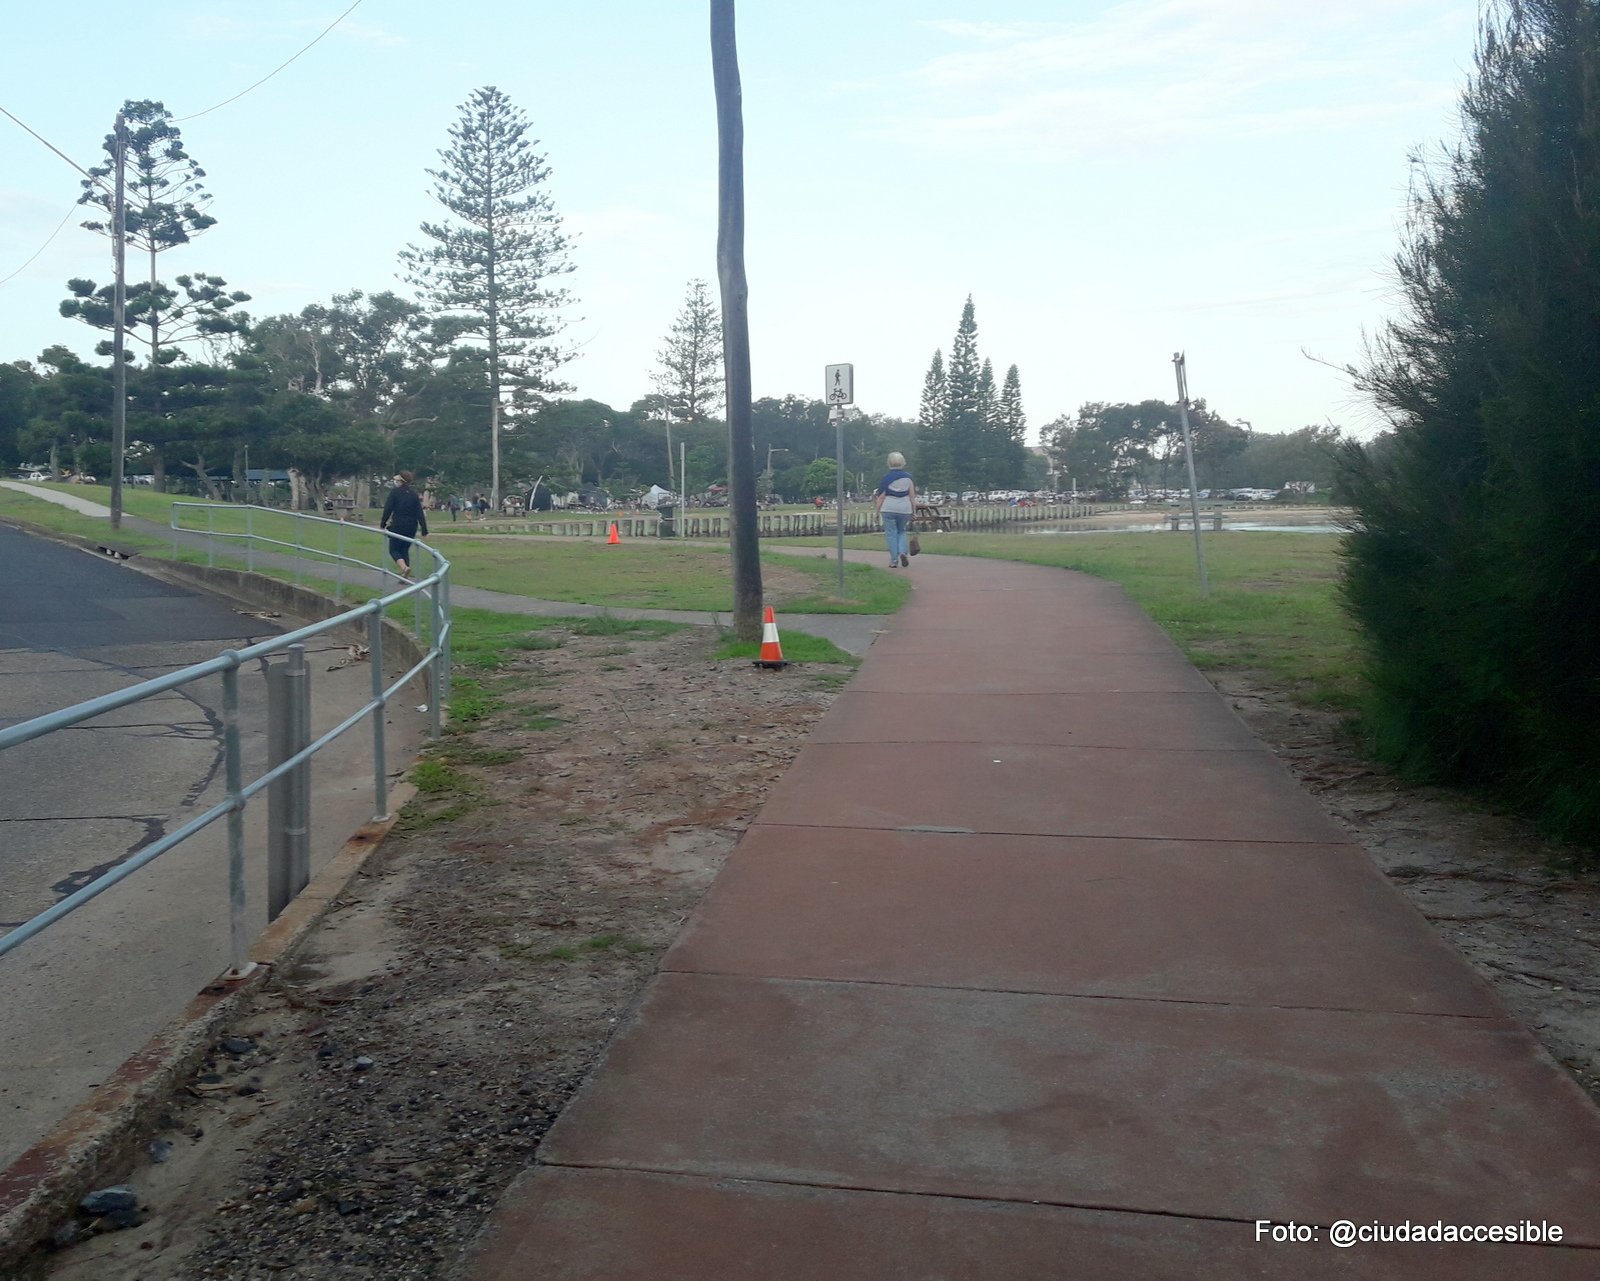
360,32
1165,71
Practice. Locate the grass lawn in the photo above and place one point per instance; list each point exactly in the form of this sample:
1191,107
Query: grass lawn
650,574
641,573
1273,603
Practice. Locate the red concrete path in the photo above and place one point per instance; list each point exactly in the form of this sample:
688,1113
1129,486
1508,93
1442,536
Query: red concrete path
1038,964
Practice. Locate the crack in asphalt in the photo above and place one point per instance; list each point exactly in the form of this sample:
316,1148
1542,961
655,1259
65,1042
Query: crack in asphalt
155,826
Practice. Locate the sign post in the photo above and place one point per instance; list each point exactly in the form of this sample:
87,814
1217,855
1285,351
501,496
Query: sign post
1179,364
840,382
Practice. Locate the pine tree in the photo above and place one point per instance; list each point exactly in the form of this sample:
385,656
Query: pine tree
963,433
989,453
165,208
486,278
933,457
1012,427
690,377
1473,563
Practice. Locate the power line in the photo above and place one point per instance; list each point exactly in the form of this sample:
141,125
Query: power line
181,119
61,153
70,211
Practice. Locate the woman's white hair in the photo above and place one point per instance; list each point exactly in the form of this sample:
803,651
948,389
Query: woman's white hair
897,460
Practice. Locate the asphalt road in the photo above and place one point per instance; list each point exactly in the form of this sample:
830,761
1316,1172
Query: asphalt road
81,997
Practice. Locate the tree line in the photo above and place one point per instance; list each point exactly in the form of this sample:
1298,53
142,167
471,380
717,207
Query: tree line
460,382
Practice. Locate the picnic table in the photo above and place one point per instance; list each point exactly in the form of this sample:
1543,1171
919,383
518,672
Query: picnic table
928,517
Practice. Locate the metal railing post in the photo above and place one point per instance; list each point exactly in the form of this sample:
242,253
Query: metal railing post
238,928
436,645
288,797
338,582
250,539
299,549
228,811
380,770
446,658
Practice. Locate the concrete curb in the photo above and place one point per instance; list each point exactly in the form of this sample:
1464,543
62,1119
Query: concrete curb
258,590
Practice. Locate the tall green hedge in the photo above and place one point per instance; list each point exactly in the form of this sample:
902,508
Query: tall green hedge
1473,566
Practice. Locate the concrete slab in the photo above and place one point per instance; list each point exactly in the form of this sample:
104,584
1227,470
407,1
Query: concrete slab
1017,613
605,1225
1052,636
1036,964
1161,1107
1289,925
1027,789
1158,719
948,671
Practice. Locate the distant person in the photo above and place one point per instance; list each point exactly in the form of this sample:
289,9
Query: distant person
403,517
896,500
455,506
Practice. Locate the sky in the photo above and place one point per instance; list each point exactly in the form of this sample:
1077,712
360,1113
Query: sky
1110,182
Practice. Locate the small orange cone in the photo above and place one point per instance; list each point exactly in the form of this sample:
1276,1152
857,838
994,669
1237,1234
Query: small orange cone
771,650
614,539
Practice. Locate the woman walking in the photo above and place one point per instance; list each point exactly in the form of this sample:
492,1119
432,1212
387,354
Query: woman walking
403,517
896,500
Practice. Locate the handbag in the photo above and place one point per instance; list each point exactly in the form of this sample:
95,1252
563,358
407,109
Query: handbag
915,547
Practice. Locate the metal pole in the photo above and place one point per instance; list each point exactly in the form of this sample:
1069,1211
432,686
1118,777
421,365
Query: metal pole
280,748
250,539
1188,451
119,310
444,615
234,774
288,797
837,413
299,833
494,448
380,771
416,597
435,680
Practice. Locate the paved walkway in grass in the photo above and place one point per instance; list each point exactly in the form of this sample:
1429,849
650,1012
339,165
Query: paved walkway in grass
1038,964
852,633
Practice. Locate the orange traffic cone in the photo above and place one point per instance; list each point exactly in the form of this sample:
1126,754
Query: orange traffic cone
771,650
614,539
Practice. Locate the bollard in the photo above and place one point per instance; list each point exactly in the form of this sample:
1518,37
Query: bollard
233,767
288,796
380,768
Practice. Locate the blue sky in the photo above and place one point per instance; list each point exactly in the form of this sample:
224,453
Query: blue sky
1111,182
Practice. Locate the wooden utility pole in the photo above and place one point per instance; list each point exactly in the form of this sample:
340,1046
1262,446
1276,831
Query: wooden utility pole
745,544
119,310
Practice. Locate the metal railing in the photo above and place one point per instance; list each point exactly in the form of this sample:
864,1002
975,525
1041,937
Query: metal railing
247,530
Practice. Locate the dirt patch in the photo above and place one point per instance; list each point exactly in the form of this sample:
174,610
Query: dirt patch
1485,880
379,1096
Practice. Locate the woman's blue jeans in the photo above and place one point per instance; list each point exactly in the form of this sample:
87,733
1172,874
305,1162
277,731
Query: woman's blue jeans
895,525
